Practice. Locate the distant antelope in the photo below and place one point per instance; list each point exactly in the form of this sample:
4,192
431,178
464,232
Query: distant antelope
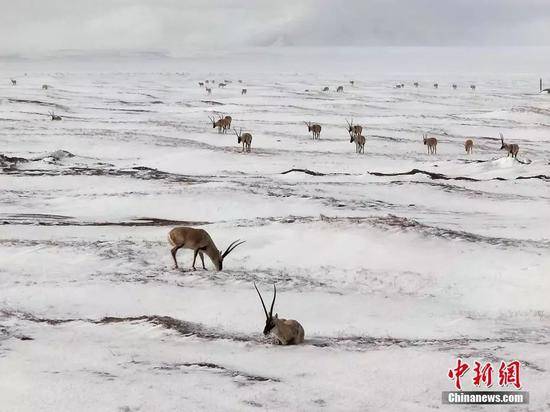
473,86
469,146
201,84
352,82
13,82
431,142
240,81
44,87
221,85
415,84
436,85
201,243
512,149
454,86
287,331
207,81
54,116
398,86
208,90
340,89
221,124
245,139
359,141
355,129
315,129
325,89
243,91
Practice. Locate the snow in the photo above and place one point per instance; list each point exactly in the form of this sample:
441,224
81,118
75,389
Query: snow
392,275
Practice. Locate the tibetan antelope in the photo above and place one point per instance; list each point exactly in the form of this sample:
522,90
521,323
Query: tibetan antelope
240,81
325,89
359,141
469,146
44,87
415,84
315,129
208,90
207,81
287,331
54,116
13,82
431,142
222,85
245,139
473,87
221,124
352,82
201,84
228,120
243,91
512,149
436,85
354,129
201,243
454,86
340,89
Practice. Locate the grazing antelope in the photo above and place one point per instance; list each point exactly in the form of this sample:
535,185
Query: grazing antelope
436,85
287,331
201,243
221,85
355,129
359,141
398,86
512,149
13,82
340,89
415,84
221,124
245,139
315,129
473,86
207,81
243,91
431,142
325,89
54,116
201,84
208,90
352,82
454,86
44,87
469,146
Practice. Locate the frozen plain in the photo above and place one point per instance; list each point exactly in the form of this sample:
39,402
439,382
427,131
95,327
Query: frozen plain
392,277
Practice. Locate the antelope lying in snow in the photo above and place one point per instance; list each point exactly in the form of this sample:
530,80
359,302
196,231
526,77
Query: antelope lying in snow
431,142
315,129
512,149
355,129
287,331
325,89
54,116
44,87
245,139
359,141
469,146
201,243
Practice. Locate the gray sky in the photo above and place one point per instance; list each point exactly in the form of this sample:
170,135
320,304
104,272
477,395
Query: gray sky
28,26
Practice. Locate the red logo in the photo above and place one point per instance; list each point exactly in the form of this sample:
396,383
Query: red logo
508,374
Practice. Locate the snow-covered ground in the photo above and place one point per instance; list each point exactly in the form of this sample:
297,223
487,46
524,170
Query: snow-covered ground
392,274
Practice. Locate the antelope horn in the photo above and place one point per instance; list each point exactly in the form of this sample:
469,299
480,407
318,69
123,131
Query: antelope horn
232,246
263,304
236,132
348,122
273,303
501,137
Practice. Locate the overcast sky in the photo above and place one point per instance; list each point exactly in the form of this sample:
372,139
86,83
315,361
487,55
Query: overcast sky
28,26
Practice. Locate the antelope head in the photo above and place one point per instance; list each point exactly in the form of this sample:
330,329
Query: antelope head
213,122
239,134
504,145
269,318
222,255
308,124
425,138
